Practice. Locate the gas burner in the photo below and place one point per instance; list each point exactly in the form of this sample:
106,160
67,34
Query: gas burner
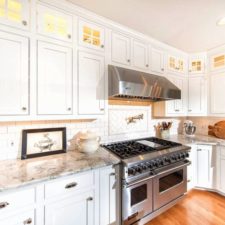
128,149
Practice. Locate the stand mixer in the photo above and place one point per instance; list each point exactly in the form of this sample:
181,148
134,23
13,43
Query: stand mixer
189,128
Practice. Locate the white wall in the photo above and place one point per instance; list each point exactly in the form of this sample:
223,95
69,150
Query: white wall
111,127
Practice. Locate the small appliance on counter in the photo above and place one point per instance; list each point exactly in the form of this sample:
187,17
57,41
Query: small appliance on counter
189,128
87,141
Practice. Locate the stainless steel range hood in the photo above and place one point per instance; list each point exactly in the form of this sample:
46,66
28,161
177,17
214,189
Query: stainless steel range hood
126,84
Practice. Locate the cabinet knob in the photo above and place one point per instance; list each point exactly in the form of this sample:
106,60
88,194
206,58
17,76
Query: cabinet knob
162,69
128,60
190,71
69,36
112,174
90,199
24,22
147,65
28,221
102,46
24,108
3,205
71,185
188,181
199,150
69,109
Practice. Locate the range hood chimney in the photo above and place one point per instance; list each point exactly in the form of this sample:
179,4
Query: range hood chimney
126,84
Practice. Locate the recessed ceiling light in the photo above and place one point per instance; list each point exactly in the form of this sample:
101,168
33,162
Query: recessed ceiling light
221,22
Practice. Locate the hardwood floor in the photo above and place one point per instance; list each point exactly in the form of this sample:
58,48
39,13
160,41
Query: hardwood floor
197,208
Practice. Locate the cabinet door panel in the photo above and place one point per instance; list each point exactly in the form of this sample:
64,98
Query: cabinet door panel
15,13
54,79
91,35
217,91
75,210
14,74
91,84
54,23
157,61
120,49
140,55
196,66
196,98
222,175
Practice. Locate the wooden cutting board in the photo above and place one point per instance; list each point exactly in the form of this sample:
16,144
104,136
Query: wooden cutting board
218,130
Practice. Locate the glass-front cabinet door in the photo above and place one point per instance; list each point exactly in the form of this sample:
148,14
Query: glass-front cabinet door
54,23
197,63
15,13
217,62
176,64
91,35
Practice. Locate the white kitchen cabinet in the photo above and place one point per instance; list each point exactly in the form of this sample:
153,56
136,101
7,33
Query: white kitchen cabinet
173,107
121,49
157,61
140,55
205,166
78,209
221,169
217,61
191,169
54,23
14,85
176,64
15,13
222,175
197,95
91,84
107,196
91,35
217,90
54,79
23,218
197,63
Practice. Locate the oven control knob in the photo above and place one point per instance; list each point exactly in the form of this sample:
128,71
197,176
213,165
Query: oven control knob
187,155
131,172
166,159
179,156
139,169
144,167
158,163
150,165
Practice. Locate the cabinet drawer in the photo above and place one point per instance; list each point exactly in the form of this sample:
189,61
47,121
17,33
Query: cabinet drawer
22,218
68,185
16,200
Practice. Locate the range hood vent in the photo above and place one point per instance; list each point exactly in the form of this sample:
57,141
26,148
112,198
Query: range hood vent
131,85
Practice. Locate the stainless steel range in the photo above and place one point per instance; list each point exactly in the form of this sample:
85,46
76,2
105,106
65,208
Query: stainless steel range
153,177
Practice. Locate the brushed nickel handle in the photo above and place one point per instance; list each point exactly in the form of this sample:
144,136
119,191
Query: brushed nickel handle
190,71
90,199
112,174
71,185
3,205
24,108
147,65
102,109
102,46
189,110
128,60
24,22
28,221
199,150
177,110
69,109
189,181
162,69
69,36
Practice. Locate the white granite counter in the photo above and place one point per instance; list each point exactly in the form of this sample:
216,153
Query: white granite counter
18,173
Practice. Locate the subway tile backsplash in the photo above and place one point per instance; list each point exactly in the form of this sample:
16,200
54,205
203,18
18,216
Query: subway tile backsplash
111,127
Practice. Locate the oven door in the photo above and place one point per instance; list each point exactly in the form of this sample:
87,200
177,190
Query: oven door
137,200
169,184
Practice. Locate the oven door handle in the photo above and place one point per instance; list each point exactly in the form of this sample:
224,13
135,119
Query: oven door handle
139,181
174,168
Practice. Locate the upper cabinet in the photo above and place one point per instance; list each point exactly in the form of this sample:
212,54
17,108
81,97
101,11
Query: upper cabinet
54,23
91,84
217,62
176,64
14,85
157,61
197,64
121,46
54,80
91,35
140,55
15,13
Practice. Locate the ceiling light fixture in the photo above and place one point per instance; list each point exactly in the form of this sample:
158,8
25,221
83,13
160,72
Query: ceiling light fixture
221,22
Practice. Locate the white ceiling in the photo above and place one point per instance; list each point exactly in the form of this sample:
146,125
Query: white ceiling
189,25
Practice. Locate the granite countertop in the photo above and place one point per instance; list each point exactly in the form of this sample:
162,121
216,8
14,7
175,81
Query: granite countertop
18,173
196,139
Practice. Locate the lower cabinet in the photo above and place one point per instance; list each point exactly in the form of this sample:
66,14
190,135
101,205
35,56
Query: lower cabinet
78,209
221,169
191,168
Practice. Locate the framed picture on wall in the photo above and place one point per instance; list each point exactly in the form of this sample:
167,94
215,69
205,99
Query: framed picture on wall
43,142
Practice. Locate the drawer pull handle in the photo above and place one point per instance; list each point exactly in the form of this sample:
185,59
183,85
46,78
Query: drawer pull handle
69,36
71,185
112,174
89,199
102,46
188,181
28,221
199,150
3,205
24,22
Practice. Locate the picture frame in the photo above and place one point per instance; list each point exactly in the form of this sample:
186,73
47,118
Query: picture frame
43,142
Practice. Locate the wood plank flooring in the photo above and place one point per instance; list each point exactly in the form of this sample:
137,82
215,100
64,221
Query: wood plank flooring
197,208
